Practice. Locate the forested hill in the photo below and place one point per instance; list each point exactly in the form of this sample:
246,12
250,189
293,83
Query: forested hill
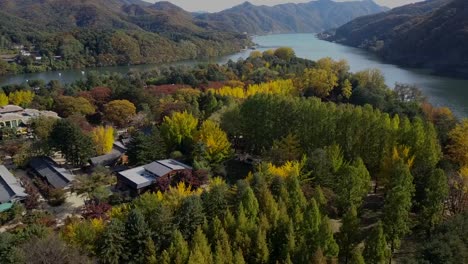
314,16
431,34
106,32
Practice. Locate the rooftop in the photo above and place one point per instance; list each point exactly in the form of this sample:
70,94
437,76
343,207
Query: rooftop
146,175
56,176
10,188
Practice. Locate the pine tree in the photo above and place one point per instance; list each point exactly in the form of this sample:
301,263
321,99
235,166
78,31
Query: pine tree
238,257
179,251
223,253
150,252
111,245
356,257
189,216
137,234
327,241
260,251
376,250
201,251
348,237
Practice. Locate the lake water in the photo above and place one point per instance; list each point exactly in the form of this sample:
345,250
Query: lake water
441,91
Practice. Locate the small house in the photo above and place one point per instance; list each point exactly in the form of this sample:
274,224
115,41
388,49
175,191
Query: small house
11,190
142,178
46,169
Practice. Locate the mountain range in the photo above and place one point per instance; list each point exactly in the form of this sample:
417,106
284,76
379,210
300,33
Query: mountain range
109,32
311,17
430,34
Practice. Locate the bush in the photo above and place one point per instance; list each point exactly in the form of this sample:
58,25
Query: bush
56,197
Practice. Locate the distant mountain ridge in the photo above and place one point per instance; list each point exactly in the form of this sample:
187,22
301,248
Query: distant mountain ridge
311,17
108,32
431,34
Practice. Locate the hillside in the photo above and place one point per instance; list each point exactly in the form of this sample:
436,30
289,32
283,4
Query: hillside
431,34
314,16
108,32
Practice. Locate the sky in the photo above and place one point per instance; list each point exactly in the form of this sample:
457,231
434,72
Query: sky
218,5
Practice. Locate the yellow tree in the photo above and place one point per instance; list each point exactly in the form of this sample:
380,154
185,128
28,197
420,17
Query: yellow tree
319,82
214,143
119,112
179,128
103,138
3,99
22,98
458,148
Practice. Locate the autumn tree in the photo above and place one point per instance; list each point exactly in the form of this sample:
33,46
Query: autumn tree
3,99
119,112
103,138
68,105
21,97
200,250
213,144
285,53
179,129
318,82
458,147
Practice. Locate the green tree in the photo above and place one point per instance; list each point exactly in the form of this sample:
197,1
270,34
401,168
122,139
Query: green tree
356,257
111,245
189,216
352,184
179,250
376,250
327,241
223,253
144,149
72,142
150,252
200,252
348,237
286,149
94,186
137,234
436,193
398,202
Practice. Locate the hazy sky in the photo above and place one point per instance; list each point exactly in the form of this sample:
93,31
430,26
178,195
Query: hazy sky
217,5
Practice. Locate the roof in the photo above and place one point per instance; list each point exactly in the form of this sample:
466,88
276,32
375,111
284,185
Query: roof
138,177
10,109
146,175
10,188
157,169
5,206
107,159
56,176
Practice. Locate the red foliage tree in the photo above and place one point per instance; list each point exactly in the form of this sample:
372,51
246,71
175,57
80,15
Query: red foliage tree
96,210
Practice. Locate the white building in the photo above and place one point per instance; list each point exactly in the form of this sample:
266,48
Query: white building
14,116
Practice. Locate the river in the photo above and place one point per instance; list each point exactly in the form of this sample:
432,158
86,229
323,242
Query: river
441,91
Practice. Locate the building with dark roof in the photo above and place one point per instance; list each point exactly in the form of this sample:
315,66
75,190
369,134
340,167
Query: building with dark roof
143,177
10,188
48,170
112,157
